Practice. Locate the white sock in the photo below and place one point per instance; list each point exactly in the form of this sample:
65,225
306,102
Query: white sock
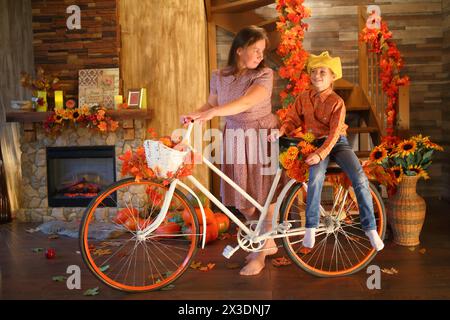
309,238
375,239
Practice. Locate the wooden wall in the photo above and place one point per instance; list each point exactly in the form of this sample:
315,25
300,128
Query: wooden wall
417,26
16,55
164,49
63,51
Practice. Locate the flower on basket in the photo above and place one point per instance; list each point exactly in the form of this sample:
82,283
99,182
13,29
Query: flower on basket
293,158
135,163
410,157
94,117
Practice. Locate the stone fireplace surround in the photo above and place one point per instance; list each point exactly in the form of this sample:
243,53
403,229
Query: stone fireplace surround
33,194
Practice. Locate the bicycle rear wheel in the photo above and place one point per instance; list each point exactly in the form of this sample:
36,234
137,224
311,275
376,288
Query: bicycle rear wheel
341,247
126,261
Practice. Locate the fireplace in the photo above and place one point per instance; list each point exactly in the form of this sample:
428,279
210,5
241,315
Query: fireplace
75,175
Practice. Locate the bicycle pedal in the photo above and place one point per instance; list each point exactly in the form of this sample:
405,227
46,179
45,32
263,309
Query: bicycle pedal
228,251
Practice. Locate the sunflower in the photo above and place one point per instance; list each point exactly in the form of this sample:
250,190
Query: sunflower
419,171
76,115
378,154
431,145
405,148
398,173
58,118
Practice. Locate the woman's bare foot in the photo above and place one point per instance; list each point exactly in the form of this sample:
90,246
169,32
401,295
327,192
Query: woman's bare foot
254,266
270,248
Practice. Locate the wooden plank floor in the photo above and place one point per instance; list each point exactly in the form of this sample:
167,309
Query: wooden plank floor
28,275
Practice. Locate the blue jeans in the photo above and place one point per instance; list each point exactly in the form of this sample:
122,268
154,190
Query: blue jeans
344,156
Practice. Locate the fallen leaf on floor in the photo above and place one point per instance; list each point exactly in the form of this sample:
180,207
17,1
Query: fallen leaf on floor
169,287
36,250
208,267
102,252
92,292
282,261
195,264
304,250
389,271
423,250
53,236
232,265
32,230
110,244
104,268
411,248
59,278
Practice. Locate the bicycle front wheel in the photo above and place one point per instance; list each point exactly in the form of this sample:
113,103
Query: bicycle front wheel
111,244
341,247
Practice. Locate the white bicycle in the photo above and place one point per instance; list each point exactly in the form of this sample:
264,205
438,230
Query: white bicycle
142,259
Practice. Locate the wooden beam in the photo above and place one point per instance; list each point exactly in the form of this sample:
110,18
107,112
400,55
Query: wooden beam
240,6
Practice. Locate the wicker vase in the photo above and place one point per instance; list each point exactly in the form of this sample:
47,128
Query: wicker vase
406,212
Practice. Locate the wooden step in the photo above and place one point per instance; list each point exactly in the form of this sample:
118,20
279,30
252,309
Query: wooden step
342,84
363,155
362,130
356,108
240,6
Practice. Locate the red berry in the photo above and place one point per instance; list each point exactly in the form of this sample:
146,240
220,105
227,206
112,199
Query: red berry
50,253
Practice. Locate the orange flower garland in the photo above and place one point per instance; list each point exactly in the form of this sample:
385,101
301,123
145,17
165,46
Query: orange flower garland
380,42
292,31
94,117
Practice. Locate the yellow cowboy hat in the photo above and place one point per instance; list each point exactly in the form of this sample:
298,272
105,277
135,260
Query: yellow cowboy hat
325,60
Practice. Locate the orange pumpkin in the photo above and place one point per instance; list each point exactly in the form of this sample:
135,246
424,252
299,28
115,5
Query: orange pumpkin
223,222
209,214
124,214
167,141
212,232
168,229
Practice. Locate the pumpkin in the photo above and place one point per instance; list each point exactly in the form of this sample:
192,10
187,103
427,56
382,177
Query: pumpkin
167,141
209,214
168,229
223,222
212,232
124,214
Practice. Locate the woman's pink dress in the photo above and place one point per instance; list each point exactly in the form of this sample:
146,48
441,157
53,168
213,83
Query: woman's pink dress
239,161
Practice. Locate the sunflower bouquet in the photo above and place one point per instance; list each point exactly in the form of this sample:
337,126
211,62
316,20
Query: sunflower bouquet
410,157
292,158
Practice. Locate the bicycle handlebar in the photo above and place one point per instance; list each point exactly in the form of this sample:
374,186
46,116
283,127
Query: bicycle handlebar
187,137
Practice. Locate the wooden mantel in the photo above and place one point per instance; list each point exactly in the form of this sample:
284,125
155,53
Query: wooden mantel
34,116
126,116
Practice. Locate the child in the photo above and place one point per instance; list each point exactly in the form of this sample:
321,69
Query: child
321,111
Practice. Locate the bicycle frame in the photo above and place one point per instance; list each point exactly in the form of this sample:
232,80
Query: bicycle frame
255,235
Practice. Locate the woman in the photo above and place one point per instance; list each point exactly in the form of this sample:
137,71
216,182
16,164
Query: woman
241,92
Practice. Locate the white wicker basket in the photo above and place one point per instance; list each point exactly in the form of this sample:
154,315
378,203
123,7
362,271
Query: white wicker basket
162,159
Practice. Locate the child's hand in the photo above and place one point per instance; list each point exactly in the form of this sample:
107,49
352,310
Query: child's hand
312,159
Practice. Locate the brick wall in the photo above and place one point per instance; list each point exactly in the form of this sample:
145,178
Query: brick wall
63,51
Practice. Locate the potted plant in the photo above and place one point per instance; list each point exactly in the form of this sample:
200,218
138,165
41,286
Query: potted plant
407,161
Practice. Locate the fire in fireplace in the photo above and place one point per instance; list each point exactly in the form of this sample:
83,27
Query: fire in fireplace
75,175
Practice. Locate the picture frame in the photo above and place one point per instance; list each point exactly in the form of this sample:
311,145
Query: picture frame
134,98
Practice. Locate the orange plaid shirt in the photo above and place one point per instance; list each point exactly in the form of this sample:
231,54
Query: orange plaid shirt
321,113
